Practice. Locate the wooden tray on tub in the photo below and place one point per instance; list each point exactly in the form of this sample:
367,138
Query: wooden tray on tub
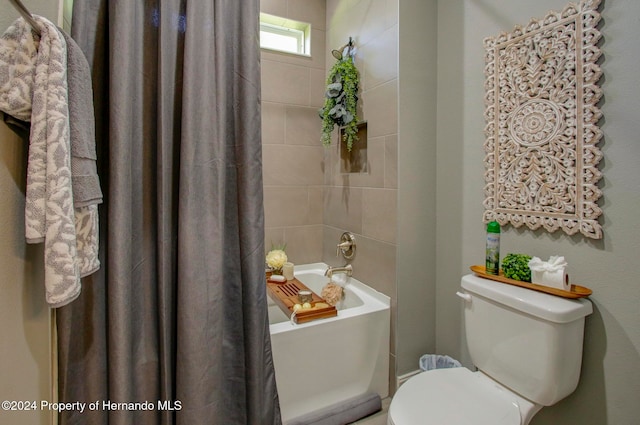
577,291
285,295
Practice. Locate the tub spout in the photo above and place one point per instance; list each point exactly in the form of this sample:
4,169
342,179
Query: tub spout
348,270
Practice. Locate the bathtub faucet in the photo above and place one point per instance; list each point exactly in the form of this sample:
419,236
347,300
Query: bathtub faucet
348,270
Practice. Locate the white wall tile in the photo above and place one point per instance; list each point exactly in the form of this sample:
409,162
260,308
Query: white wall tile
274,7
380,59
379,214
381,109
273,122
311,11
285,83
303,126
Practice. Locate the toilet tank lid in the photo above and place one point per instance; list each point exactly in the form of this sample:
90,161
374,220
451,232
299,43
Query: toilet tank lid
545,306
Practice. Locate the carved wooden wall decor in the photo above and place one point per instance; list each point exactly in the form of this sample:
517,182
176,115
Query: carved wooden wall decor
541,111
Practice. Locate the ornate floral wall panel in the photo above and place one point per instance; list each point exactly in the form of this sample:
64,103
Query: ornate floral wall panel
541,112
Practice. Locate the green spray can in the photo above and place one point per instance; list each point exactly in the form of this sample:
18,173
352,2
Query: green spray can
493,248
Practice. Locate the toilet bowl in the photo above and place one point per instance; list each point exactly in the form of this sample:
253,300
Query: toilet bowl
527,346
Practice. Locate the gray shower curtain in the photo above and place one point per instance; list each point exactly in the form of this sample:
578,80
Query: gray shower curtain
177,315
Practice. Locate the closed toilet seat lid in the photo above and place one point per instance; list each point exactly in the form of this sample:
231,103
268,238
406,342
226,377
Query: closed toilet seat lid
454,396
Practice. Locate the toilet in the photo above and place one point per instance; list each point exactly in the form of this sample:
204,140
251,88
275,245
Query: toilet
527,346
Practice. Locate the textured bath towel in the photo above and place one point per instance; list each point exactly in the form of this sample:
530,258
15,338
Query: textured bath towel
33,87
86,184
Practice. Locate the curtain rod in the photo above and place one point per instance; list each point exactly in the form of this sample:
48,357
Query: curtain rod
25,14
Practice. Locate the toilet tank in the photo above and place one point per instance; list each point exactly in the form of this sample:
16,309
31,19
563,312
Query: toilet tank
528,341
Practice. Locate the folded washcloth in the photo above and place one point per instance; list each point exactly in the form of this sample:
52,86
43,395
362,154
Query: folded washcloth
86,185
33,87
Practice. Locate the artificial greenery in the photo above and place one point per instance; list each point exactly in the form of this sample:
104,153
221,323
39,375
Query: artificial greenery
516,267
341,100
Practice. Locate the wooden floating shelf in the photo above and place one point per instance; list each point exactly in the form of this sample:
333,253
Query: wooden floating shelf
285,295
577,291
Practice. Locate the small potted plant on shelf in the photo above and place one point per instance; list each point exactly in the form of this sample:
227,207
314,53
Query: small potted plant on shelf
516,267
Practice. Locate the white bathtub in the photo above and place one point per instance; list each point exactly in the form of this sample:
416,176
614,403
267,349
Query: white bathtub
323,362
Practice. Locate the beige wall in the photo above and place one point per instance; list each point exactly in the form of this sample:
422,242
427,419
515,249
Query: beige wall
610,380
25,363
416,265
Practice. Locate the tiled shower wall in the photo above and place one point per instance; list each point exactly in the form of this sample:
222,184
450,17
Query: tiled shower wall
293,169
366,204
308,201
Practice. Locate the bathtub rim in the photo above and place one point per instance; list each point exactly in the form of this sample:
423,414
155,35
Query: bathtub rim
373,301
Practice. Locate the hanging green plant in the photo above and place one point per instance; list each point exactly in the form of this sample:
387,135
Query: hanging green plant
341,101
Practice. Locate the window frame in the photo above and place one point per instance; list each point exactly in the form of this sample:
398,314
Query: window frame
299,31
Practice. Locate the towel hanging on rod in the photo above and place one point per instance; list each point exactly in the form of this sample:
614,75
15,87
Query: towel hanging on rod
24,12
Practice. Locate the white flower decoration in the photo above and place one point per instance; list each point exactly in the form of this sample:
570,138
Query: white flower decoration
276,258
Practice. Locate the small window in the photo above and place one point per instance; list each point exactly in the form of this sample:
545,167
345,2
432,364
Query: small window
284,35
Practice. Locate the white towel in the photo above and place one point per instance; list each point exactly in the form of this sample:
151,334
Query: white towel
33,87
